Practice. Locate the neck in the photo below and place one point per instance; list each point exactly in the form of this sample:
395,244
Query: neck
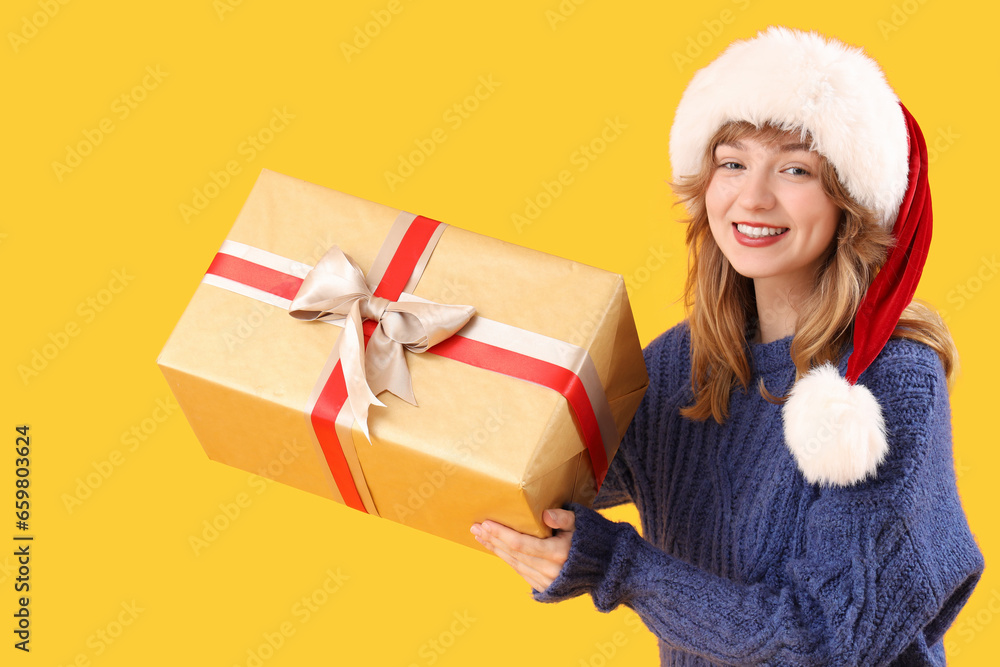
777,309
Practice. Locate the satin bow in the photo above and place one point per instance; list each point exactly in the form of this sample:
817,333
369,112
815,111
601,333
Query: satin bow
336,290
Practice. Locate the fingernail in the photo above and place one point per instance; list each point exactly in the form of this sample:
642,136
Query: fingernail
474,530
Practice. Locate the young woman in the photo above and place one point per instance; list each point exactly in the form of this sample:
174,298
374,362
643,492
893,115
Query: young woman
791,461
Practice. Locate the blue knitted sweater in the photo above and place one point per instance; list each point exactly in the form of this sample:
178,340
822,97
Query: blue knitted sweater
745,563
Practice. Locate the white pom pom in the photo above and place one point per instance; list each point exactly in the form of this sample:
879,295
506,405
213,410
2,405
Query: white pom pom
834,429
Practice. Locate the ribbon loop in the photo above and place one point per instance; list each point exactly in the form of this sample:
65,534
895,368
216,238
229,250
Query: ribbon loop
335,290
373,308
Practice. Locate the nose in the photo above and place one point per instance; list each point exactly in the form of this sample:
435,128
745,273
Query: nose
756,193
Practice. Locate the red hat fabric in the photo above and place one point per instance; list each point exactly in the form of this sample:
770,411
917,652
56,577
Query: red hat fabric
894,286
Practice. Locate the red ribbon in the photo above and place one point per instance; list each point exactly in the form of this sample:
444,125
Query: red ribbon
254,275
334,394
458,348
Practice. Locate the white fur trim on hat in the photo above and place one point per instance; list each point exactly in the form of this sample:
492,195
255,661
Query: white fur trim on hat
799,80
834,429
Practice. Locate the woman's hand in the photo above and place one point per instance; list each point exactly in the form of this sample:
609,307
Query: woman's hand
538,560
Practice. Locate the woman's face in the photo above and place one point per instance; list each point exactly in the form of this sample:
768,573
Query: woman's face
768,211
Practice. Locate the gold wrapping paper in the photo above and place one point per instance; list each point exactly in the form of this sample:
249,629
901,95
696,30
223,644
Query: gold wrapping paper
478,445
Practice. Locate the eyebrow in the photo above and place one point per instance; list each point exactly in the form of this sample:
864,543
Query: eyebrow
786,148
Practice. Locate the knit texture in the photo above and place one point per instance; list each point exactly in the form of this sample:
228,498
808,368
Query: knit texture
745,563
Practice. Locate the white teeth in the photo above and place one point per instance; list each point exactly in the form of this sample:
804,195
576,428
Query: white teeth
758,232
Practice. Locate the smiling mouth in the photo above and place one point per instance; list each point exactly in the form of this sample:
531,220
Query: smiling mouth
759,231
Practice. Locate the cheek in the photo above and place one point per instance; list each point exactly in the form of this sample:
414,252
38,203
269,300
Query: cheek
827,223
716,201
819,215
830,235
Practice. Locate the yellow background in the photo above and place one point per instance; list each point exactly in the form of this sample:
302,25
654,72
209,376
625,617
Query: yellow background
349,119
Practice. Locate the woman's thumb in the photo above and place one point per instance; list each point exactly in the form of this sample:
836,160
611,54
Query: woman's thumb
561,519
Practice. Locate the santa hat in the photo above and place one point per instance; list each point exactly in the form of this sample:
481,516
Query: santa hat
806,82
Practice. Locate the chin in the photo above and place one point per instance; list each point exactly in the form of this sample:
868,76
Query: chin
752,272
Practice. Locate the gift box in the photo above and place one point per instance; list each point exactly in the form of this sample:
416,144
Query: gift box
319,301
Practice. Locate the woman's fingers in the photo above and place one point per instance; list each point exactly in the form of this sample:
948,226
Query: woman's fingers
537,560
513,540
541,568
560,519
535,579
519,563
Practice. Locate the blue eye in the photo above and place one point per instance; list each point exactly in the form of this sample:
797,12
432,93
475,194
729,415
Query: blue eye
730,165
797,171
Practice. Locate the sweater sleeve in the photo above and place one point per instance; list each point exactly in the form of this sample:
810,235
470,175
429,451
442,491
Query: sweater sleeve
886,563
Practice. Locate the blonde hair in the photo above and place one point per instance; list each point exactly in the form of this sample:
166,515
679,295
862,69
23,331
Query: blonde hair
722,307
